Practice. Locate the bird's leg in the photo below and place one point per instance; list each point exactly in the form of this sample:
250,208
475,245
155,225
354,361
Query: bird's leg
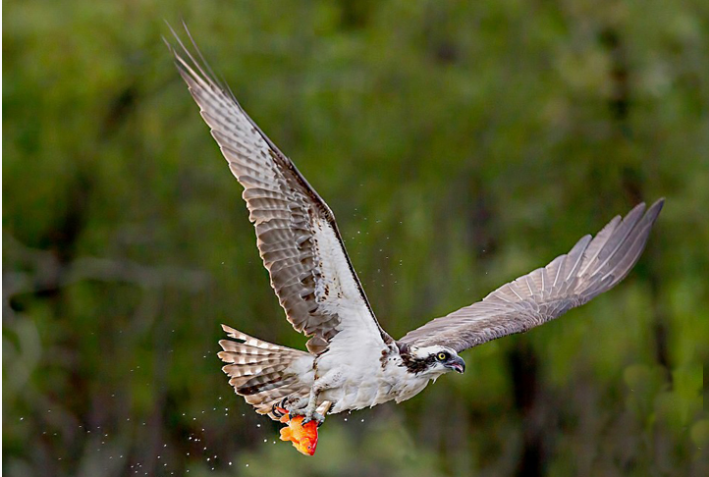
331,379
322,410
311,411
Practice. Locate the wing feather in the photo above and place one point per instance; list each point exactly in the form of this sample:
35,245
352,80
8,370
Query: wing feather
297,235
592,266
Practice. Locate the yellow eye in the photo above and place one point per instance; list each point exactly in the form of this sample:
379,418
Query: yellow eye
442,356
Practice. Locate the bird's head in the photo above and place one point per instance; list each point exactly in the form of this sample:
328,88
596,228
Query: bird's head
434,361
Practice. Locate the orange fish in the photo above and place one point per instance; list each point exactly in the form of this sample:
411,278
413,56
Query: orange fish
303,437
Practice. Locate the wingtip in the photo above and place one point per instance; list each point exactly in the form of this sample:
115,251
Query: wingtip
172,30
167,44
658,204
655,209
639,207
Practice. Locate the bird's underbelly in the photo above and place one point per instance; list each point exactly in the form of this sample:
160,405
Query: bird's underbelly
359,390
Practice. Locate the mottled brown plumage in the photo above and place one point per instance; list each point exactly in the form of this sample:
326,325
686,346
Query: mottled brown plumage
285,210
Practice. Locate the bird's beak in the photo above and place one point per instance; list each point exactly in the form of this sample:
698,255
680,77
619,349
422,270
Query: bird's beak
456,364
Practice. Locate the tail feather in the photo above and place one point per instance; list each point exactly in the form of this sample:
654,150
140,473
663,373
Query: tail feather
261,372
246,349
258,370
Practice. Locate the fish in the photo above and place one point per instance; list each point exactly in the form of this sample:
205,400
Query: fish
303,437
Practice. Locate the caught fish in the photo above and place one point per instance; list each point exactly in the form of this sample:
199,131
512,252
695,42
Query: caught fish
303,437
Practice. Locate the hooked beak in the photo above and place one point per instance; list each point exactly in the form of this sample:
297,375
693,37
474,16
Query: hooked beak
456,364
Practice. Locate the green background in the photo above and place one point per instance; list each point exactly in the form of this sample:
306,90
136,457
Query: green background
460,144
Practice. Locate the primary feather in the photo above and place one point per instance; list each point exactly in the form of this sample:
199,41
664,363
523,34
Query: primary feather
570,280
296,232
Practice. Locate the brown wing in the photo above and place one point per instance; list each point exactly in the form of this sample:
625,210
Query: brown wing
296,232
570,280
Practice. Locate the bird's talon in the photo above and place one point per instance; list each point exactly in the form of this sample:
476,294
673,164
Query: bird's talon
318,418
278,411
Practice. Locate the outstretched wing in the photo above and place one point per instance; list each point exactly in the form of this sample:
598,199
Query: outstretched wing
296,232
590,268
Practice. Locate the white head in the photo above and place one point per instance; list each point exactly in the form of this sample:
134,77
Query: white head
432,361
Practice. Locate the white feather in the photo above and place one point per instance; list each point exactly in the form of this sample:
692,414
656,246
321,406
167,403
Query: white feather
339,294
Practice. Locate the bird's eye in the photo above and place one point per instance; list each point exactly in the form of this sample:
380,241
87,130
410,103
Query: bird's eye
442,356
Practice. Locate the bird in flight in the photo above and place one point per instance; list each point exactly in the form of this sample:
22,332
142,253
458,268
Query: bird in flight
351,362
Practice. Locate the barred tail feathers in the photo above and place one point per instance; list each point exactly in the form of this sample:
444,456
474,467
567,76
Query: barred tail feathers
263,373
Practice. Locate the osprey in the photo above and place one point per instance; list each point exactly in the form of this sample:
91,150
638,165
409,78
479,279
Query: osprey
351,362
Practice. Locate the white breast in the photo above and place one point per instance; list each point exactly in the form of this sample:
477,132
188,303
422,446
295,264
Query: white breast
367,386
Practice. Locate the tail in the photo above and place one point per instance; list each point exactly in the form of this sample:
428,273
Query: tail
263,373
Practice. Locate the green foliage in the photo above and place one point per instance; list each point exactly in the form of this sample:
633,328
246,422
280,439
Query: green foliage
460,145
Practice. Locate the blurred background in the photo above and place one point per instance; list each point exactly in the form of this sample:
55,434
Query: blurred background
460,144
